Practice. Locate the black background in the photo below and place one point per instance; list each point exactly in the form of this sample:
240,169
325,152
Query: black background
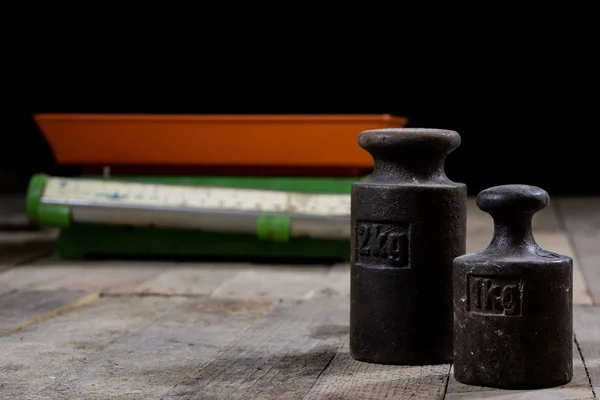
478,68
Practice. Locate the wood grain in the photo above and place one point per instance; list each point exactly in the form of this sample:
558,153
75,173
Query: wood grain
150,361
81,276
273,282
20,310
36,359
279,357
346,378
190,279
579,388
19,247
586,323
582,221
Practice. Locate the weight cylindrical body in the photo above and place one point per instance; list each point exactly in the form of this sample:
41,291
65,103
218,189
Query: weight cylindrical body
408,223
513,325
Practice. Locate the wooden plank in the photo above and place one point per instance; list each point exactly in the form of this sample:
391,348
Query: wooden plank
346,378
190,279
279,357
248,281
81,276
560,243
35,360
13,221
582,221
578,389
273,282
20,310
34,293
581,214
13,212
19,247
586,323
151,360
46,235
336,282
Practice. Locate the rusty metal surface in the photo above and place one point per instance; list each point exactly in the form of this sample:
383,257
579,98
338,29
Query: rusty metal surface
513,301
408,224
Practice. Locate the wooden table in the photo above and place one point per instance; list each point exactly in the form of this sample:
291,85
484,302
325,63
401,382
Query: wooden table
168,330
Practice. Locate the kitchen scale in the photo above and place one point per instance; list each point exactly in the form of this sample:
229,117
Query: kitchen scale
287,194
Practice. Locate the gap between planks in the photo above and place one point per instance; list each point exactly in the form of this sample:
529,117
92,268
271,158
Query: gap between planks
578,389
581,219
23,288
36,292
80,302
348,379
586,323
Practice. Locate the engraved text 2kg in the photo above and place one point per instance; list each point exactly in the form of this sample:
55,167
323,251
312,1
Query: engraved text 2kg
382,244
